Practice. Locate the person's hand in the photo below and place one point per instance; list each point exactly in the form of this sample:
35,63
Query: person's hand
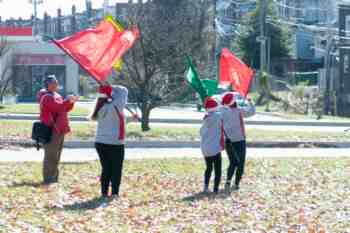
135,117
76,98
72,98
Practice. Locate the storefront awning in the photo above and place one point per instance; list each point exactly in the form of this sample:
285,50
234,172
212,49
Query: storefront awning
39,59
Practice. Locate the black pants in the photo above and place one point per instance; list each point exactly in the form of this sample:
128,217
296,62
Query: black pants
111,158
236,152
214,161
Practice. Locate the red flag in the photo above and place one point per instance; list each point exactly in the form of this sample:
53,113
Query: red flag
98,49
234,72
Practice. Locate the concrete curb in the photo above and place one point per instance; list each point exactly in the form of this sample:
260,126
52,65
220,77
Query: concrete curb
187,144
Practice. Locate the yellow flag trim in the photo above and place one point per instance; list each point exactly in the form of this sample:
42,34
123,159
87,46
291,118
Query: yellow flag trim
118,26
115,23
118,65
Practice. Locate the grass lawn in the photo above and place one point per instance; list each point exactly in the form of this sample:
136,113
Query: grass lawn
295,116
84,131
34,109
291,195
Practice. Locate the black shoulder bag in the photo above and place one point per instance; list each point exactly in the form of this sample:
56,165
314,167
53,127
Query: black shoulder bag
41,133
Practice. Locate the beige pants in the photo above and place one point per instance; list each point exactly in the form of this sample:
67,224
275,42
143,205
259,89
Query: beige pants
52,157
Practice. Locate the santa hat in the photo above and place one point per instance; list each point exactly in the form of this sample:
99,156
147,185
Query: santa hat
210,104
228,99
105,92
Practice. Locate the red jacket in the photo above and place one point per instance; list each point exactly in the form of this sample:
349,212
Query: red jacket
54,111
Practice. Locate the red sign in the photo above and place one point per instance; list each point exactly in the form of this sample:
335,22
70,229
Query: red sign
16,31
39,59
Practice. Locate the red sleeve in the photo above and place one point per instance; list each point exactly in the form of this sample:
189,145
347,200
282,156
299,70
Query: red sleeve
53,106
70,107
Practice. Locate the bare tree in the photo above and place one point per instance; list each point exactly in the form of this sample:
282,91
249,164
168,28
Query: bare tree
6,65
155,67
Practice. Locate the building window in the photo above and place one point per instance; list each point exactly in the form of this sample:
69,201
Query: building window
347,25
28,80
23,81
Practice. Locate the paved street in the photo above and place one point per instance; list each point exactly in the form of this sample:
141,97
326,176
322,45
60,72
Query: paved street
334,129
189,117
82,155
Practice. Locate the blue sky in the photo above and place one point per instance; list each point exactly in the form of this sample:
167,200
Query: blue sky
22,8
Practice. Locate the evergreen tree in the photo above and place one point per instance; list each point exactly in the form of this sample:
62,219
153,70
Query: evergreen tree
279,35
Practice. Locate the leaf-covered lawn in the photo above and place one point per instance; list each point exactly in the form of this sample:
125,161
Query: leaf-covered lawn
86,131
164,196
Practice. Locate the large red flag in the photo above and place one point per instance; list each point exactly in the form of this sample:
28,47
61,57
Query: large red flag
234,72
98,49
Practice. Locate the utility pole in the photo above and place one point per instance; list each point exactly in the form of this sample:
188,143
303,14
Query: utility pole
268,54
105,7
262,37
35,6
328,61
216,43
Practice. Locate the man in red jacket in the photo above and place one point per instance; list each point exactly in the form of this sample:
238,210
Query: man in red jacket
54,113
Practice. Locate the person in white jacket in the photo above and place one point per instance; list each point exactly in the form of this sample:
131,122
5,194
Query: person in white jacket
234,129
212,142
110,136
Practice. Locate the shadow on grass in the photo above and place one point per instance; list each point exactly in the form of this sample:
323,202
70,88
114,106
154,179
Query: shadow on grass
27,184
85,205
202,195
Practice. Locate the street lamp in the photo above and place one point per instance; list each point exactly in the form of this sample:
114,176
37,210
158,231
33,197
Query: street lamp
35,5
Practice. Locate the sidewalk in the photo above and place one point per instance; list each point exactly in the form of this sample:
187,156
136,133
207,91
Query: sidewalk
176,144
85,155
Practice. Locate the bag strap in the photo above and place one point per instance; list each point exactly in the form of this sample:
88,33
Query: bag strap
37,144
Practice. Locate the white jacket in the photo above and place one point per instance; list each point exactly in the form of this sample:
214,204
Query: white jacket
212,136
110,122
233,121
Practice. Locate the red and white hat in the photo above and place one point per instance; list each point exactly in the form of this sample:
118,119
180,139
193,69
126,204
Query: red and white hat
228,99
105,92
210,104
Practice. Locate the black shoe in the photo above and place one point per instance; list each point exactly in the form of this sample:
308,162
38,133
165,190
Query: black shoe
50,181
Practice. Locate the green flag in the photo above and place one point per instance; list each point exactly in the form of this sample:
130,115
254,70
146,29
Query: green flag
211,86
193,78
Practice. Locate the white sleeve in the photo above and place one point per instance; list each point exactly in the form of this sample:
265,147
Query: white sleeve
248,110
120,97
